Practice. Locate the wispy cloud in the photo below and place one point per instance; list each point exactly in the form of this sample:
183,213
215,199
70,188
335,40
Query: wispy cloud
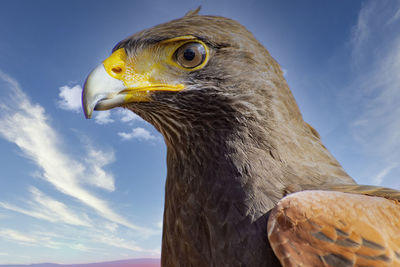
395,17
126,115
361,30
118,242
112,227
49,240
46,208
137,133
13,235
95,161
120,114
70,98
90,239
378,179
285,72
375,30
80,247
27,125
103,117
376,40
38,239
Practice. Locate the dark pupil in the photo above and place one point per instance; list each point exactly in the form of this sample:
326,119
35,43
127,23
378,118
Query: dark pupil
189,54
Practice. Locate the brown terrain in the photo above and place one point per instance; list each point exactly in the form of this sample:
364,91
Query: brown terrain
122,263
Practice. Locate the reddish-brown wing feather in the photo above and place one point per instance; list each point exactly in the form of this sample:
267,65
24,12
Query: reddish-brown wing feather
327,228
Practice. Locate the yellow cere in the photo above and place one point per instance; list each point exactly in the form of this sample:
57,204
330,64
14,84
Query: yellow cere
149,69
115,64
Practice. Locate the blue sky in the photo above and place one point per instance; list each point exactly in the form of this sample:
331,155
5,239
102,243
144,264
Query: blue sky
74,190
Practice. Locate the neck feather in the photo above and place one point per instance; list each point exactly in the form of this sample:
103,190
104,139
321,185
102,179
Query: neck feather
229,161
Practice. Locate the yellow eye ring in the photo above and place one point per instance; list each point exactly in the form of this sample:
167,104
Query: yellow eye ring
200,53
190,55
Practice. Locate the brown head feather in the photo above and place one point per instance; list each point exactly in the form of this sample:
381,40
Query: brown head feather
193,12
236,139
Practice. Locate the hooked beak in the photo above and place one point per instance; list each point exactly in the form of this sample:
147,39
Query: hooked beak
101,92
109,85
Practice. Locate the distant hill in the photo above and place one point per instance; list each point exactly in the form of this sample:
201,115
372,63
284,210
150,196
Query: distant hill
123,263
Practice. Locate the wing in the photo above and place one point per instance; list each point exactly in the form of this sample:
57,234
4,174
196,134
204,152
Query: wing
359,226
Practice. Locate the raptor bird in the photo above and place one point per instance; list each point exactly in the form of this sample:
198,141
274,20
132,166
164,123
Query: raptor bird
249,182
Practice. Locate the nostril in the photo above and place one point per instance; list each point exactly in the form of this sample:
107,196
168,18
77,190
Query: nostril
117,70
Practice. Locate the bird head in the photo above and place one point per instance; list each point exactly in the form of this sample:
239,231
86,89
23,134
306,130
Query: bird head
189,68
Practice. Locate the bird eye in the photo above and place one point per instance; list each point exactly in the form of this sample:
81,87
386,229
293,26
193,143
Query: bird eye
190,55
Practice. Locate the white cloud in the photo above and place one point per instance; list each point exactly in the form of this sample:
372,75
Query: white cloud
378,179
118,242
70,98
137,133
112,227
13,235
84,240
361,30
127,116
376,27
46,208
377,124
26,124
96,160
80,247
42,239
103,117
93,238
109,116
380,120
285,72
395,17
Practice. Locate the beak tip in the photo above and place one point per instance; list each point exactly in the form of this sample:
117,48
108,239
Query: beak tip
88,115
101,92
87,110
